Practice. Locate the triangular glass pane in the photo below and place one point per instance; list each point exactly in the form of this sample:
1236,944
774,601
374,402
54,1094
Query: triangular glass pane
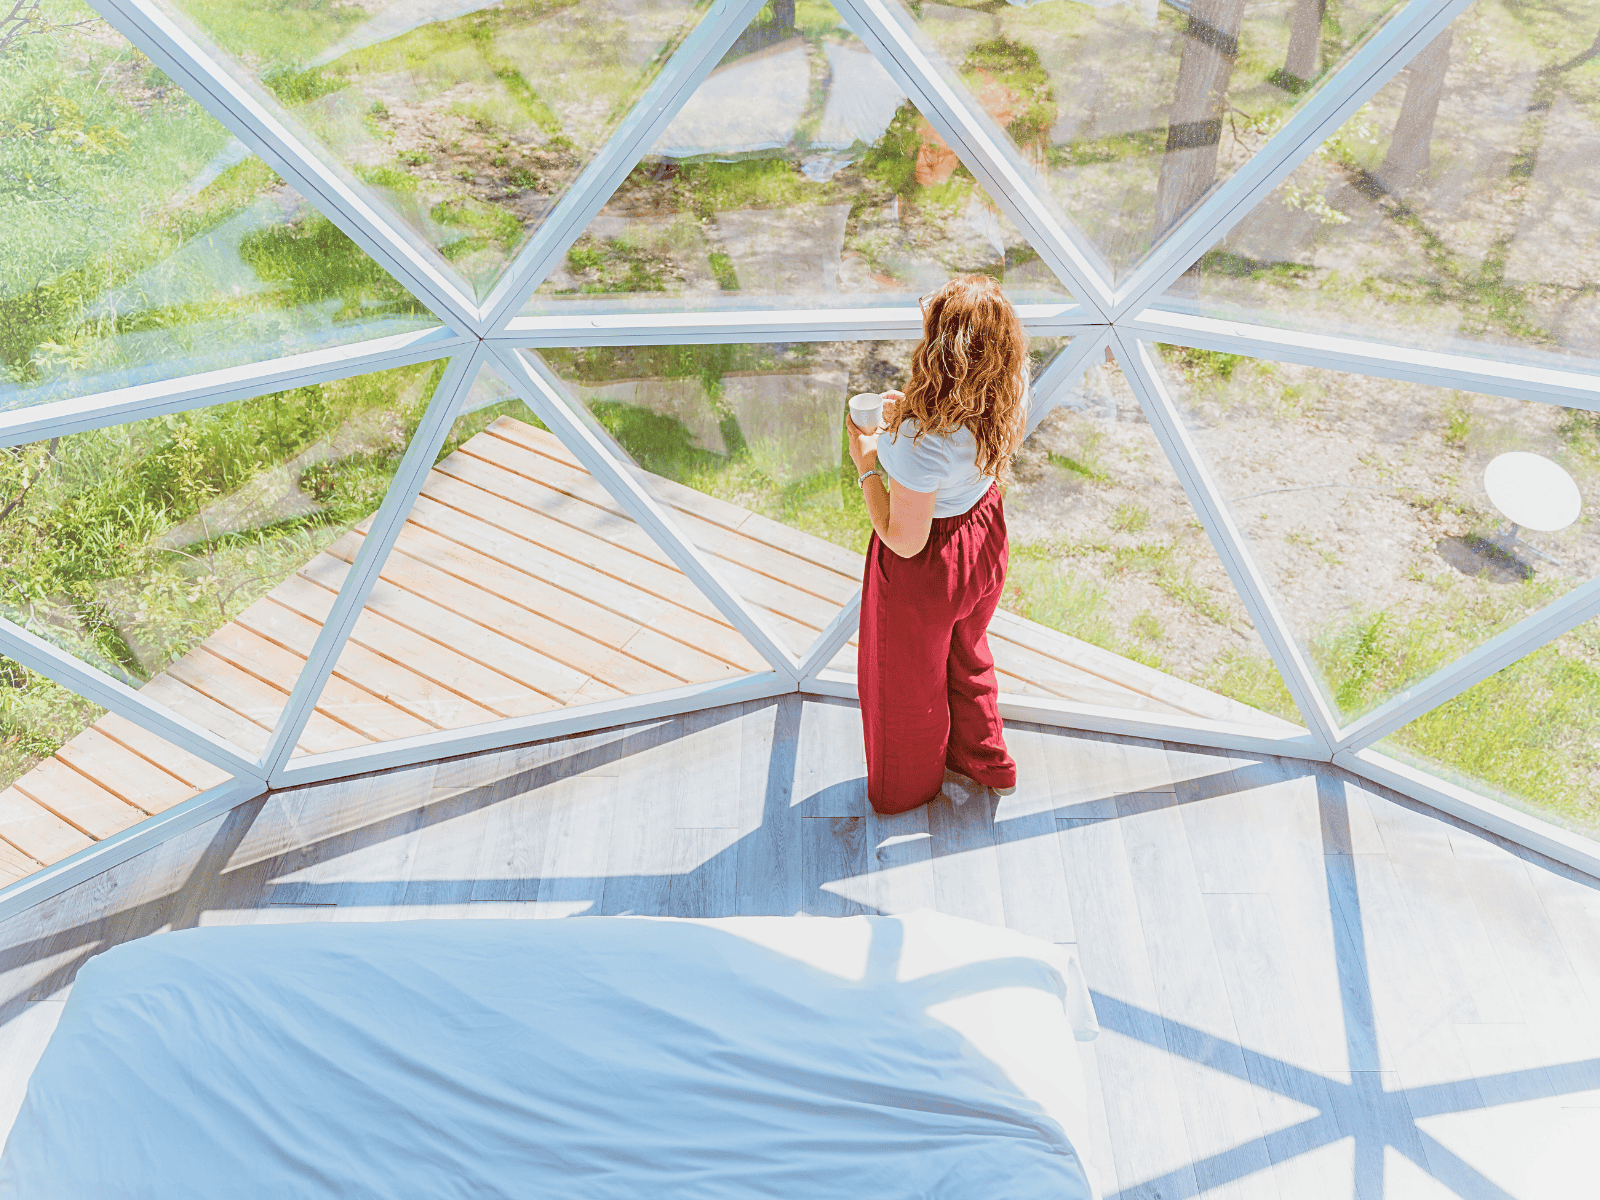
156,551
798,174
467,119
517,586
1454,211
134,246
1398,525
1133,113
1524,736
1106,549
72,773
743,446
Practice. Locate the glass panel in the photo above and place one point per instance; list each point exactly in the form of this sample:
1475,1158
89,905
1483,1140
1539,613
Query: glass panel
138,243
1134,113
797,174
1106,548
1524,736
517,586
71,773
1454,211
149,550
468,119
743,446
1387,517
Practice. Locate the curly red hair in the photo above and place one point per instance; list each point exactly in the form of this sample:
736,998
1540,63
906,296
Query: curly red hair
968,370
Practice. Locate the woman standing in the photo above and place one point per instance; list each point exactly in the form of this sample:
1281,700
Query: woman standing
937,562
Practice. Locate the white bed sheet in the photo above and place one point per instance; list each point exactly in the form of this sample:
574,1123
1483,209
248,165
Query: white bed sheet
915,1056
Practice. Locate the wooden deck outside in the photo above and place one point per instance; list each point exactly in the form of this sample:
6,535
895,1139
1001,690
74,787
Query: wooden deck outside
1309,988
517,586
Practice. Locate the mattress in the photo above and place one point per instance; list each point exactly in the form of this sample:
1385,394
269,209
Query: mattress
912,1056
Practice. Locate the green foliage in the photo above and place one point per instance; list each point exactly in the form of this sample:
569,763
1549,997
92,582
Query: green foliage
1037,588
37,715
1130,517
128,545
1013,69
1207,364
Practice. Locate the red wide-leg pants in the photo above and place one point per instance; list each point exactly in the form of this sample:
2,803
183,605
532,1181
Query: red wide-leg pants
929,698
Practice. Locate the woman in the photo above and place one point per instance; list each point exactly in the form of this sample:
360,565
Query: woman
937,562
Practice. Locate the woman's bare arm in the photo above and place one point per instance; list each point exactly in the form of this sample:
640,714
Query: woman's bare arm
902,518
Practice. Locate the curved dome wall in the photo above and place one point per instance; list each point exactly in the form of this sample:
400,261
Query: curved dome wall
384,382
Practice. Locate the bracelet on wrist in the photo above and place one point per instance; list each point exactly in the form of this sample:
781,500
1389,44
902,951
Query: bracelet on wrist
866,475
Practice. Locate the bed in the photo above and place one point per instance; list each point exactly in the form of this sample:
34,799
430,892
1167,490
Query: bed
912,1056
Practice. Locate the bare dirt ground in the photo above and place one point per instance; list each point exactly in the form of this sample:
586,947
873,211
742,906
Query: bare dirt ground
1356,495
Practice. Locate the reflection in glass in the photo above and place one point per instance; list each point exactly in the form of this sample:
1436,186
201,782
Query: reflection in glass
518,585
148,550
37,717
1366,508
1132,114
469,119
134,248
798,173
1105,547
1455,210
1524,736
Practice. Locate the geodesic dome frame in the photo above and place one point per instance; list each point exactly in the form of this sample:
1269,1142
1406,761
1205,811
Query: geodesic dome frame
1125,315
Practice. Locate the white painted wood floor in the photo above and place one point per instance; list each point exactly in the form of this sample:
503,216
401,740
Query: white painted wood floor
1308,987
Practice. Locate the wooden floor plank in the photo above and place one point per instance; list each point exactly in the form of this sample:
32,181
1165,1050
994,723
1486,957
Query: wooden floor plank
768,877
1206,963
1033,879
966,865
1150,1147
1193,1001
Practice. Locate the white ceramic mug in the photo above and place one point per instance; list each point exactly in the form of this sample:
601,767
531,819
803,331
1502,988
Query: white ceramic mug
866,410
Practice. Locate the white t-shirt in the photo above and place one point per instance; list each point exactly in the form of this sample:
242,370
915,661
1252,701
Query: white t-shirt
945,465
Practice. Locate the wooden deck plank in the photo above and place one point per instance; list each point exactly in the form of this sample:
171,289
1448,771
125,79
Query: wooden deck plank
588,636
429,641
36,831
14,864
243,692
130,777
78,800
200,708
342,699
376,658
196,772
415,595
788,587
635,589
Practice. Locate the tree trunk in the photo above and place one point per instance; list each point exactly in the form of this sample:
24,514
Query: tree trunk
1305,40
1411,147
1194,125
